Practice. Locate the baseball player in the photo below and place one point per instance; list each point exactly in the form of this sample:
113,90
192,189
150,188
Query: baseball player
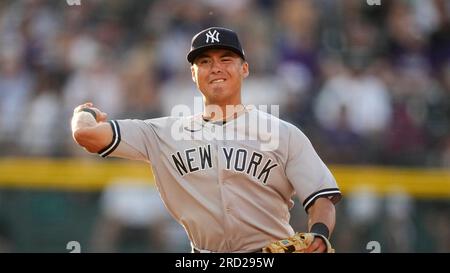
229,192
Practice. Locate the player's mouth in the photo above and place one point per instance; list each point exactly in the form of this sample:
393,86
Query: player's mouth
217,81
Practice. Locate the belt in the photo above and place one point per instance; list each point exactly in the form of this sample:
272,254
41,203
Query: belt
196,250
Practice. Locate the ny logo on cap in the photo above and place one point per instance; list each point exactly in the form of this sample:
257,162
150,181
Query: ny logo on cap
214,36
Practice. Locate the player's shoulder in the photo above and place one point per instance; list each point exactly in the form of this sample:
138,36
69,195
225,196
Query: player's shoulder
283,124
155,123
287,130
161,120
170,119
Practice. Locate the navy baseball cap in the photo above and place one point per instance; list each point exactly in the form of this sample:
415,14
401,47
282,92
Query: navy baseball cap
215,37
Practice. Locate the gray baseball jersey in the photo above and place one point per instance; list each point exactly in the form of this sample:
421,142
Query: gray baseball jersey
227,191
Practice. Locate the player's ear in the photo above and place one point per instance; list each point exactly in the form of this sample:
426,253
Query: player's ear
193,73
245,69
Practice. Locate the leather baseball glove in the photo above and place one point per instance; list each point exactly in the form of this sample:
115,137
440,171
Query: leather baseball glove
296,244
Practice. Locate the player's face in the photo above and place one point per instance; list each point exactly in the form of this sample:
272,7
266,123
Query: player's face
218,74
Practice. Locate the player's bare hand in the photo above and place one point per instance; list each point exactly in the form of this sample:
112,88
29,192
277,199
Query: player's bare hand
101,116
317,246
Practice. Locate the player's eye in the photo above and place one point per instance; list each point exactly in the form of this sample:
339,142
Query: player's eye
204,61
227,59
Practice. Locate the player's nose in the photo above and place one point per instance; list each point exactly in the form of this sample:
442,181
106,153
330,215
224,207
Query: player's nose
216,66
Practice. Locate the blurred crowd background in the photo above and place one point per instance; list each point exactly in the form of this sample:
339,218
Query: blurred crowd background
369,85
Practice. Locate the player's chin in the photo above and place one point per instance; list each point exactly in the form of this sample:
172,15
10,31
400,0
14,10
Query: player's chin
217,87
218,93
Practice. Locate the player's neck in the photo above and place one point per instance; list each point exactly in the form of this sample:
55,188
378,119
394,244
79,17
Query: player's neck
214,112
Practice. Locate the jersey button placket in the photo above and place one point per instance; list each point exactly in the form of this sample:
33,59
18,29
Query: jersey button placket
223,184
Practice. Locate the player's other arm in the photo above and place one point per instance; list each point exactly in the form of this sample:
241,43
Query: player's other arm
321,219
92,133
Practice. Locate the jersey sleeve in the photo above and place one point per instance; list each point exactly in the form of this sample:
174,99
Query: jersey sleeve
309,176
132,139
